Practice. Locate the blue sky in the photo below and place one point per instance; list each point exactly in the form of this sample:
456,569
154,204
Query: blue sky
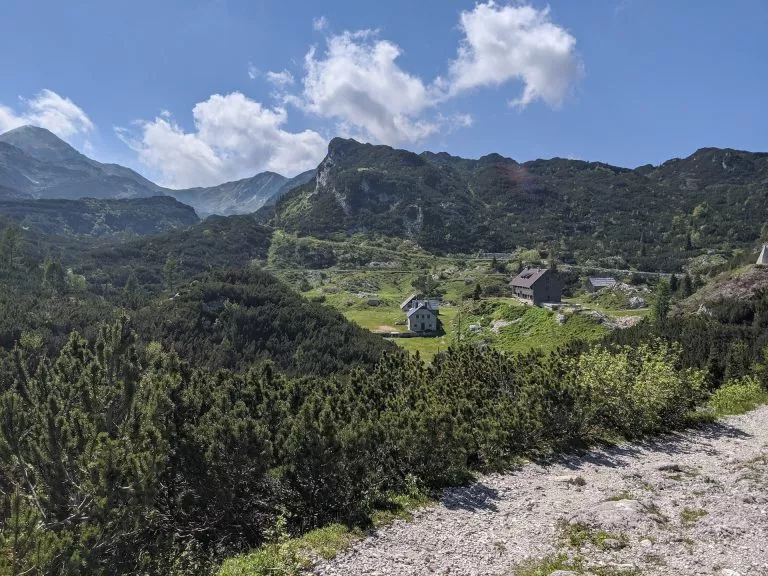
201,91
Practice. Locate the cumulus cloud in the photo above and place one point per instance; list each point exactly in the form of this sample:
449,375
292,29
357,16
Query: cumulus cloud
358,82
234,137
320,23
253,72
503,43
48,110
280,79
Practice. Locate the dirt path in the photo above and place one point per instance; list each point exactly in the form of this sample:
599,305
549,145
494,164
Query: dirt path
694,503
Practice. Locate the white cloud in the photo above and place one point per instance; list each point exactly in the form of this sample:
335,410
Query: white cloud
234,137
358,82
48,110
280,79
503,43
320,23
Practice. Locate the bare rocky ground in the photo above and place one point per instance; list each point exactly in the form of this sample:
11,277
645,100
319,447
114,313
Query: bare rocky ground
692,503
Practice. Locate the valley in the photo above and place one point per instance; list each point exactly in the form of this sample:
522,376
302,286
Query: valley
255,380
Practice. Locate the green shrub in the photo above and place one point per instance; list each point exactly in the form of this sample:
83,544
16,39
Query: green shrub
738,396
637,391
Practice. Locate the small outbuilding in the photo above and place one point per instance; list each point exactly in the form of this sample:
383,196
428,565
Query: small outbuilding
537,285
422,319
594,284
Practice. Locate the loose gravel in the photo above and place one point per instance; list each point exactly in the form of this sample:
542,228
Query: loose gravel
690,503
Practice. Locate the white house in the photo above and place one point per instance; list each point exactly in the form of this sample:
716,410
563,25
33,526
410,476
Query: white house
422,319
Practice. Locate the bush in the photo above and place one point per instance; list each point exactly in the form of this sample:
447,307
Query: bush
638,391
738,396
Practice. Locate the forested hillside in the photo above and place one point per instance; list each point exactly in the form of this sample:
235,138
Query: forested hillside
166,404
198,291
651,217
99,218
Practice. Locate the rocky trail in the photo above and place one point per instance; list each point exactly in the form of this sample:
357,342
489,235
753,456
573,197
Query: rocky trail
689,503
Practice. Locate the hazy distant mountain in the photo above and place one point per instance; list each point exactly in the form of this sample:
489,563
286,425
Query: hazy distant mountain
35,163
242,196
99,218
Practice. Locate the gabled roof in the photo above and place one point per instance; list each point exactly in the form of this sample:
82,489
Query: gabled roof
422,306
528,277
408,301
763,258
609,281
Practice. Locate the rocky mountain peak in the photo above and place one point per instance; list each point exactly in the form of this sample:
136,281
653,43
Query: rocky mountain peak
41,144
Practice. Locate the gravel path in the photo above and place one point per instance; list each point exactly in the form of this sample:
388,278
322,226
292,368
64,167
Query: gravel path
693,503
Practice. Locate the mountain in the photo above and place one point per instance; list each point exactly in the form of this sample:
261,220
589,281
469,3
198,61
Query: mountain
650,217
242,196
99,218
289,185
35,162
216,242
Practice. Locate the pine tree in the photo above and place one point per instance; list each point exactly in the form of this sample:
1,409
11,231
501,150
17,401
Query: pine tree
169,272
663,297
673,285
131,289
478,292
54,278
687,286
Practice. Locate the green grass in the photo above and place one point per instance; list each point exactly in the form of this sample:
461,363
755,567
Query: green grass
620,496
546,566
537,329
287,556
577,535
376,318
550,564
399,507
606,308
737,397
691,515
341,285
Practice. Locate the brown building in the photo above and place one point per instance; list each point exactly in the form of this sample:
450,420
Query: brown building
537,285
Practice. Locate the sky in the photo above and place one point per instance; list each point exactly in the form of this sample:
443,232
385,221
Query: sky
198,92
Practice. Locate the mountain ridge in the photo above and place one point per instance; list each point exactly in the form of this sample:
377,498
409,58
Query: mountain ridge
35,163
99,218
652,217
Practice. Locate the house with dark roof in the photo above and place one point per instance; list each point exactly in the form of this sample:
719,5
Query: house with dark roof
538,286
416,300
410,302
422,318
594,284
